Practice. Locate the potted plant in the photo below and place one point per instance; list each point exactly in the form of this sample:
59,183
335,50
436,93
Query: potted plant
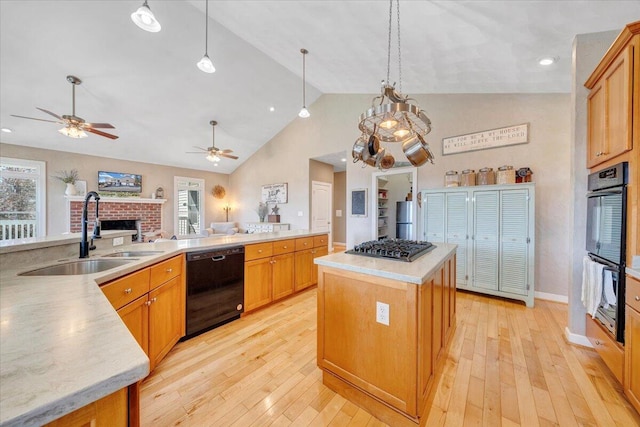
262,210
69,178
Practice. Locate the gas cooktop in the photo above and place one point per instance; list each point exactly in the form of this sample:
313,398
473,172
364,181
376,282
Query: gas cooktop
399,249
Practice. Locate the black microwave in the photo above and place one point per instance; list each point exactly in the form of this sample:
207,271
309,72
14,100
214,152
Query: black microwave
607,212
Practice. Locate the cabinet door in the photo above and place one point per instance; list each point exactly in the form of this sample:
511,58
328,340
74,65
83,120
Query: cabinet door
317,252
166,316
304,269
434,217
632,357
111,410
257,283
135,316
596,116
457,217
514,241
282,275
485,239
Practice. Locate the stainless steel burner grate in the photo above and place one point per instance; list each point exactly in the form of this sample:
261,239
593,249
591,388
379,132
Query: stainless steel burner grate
399,249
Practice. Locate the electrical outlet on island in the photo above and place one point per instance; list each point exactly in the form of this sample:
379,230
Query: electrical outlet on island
382,313
117,241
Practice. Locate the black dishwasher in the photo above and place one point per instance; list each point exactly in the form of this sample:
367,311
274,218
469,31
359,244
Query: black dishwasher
215,288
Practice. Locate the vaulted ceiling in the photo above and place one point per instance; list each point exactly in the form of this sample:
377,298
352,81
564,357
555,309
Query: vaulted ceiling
148,86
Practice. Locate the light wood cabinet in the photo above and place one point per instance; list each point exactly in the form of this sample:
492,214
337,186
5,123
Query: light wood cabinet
257,283
151,303
611,351
308,249
111,410
631,381
268,273
610,109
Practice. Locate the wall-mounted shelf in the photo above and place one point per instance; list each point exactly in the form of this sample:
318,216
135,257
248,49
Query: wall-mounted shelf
105,199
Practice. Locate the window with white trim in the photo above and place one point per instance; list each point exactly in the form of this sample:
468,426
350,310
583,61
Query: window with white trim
189,208
23,192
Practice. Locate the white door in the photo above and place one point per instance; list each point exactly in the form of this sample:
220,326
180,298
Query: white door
321,197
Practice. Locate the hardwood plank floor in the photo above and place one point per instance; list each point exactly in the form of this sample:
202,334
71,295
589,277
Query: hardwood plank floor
507,366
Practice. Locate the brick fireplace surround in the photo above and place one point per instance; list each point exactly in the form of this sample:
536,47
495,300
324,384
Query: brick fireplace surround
148,211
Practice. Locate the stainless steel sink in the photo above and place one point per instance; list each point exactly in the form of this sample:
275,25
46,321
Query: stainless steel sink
77,267
132,254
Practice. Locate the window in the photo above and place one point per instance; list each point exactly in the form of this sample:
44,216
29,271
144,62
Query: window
189,209
22,198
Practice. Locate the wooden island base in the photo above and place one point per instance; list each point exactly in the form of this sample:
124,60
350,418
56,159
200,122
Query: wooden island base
389,370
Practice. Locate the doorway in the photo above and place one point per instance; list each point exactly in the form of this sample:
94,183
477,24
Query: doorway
389,188
321,201
188,217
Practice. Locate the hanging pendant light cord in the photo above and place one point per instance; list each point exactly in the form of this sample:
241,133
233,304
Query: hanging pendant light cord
206,29
304,54
389,41
399,54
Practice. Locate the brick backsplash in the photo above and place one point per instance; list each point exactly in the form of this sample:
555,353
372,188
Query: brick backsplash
150,214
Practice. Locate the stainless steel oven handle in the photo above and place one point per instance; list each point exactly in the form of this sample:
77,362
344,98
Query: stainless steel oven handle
609,192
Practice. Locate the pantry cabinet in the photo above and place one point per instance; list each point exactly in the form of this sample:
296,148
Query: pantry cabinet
151,303
610,104
493,227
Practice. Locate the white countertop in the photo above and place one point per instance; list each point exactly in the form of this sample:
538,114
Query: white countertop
16,245
634,269
416,271
62,345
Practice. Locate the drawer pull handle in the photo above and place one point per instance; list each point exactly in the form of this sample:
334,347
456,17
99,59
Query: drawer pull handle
127,291
637,298
154,299
259,251
284,247
305,243
169,270
148,303
598,342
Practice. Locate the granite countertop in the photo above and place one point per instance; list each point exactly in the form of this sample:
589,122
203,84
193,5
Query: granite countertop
62,345
416,271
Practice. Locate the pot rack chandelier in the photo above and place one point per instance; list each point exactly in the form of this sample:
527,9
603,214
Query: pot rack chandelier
144,18
393,118
205,63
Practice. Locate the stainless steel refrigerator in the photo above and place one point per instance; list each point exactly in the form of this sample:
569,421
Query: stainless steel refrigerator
404,220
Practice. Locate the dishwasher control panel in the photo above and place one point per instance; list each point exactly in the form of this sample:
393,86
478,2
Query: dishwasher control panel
194,256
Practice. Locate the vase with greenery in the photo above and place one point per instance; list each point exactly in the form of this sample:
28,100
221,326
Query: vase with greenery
263,210
69,178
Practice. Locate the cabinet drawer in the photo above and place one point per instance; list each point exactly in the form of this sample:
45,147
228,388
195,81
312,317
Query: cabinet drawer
165,270
122,291
633,293
606,347
284,246
259,250
304,243
319,241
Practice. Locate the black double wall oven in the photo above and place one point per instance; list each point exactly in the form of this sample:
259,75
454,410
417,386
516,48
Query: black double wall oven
606,241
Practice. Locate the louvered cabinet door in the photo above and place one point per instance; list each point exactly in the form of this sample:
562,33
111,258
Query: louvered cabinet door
514,241
485,239
434,216
457,220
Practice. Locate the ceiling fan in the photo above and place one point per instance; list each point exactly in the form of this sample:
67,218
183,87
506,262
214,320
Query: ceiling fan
74,126
214,153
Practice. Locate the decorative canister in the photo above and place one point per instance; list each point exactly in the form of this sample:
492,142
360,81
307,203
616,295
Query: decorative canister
506,175
468,178
452,179
524,175
486,176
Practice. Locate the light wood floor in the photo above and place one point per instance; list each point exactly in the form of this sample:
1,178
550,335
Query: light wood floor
507,365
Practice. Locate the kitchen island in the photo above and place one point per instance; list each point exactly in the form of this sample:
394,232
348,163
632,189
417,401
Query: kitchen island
383,329
63,345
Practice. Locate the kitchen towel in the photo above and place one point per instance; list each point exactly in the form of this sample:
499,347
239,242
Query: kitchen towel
607,286
591,285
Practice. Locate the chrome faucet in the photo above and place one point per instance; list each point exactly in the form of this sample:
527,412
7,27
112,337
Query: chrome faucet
84,244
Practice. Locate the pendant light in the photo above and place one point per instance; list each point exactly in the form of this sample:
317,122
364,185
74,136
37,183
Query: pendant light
143,18
304,113
393,117
205,63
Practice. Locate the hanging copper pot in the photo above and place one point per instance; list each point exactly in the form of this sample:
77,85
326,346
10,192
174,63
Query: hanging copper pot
387,162
359,147
417,151
374,160
374,142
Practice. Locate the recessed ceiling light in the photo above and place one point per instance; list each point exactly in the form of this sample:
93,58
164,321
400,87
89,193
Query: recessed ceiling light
546,61
6,130
272,109
343,160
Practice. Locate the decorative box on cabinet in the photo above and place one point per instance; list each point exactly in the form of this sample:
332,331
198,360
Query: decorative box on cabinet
493,226
614,87
631,381
151,303
265,227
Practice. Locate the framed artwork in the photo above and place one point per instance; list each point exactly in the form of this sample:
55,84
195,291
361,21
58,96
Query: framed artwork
274,193
359,202
81,188
492,138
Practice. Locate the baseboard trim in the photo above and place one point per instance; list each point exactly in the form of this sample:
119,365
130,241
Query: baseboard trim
552,297
576,339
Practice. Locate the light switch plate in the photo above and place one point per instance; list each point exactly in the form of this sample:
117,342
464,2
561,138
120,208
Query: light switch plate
382,313
299,213
338,213
117,241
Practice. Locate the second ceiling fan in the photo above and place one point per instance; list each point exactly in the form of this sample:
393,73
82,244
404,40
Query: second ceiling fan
213,153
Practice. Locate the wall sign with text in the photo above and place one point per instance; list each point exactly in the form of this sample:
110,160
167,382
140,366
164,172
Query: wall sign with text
493,138
274,193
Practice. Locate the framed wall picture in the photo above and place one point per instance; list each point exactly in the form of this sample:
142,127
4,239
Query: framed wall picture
274,193
359,202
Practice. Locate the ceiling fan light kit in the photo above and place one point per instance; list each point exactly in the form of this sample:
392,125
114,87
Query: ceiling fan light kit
214,154
304,113
205,64
393,118
144,19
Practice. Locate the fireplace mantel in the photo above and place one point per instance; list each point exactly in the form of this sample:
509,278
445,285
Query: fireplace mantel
104,199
